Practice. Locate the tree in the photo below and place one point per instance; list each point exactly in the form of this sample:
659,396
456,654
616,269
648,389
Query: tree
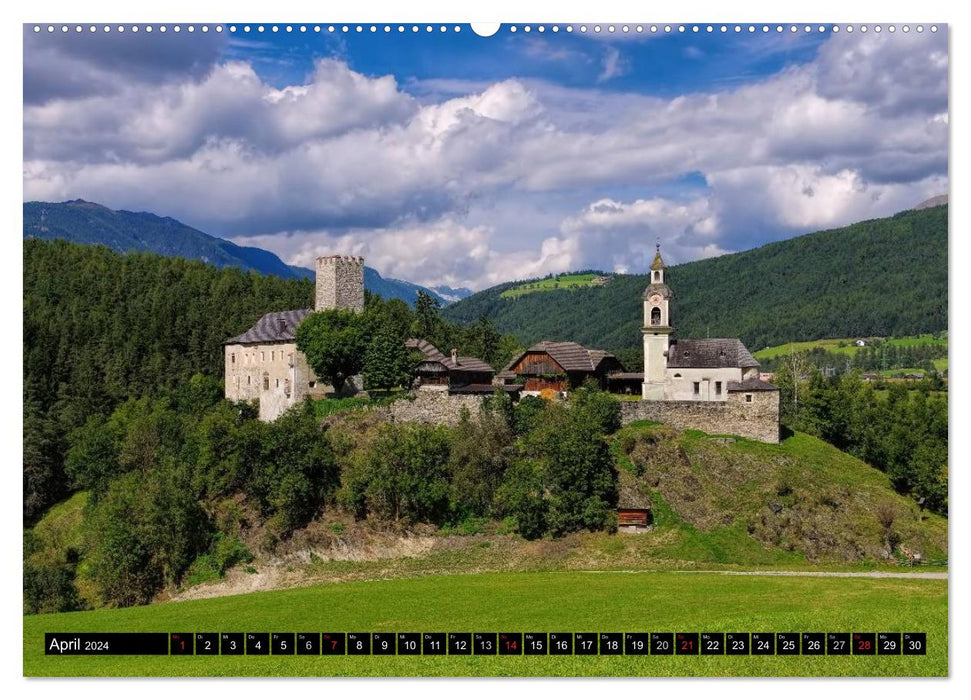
406,473
482,340
334,343
295,471
481,451
600,408
427,323
92,458
386,362
144,534
563,479
44,480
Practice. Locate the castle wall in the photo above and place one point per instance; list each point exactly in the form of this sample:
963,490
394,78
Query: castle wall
340,283
275,374
436,408
253,369
756,420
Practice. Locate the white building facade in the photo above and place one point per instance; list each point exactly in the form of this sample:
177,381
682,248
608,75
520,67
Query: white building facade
264,365
689,370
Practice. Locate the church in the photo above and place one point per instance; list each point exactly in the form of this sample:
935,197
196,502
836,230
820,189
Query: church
711,384
690,370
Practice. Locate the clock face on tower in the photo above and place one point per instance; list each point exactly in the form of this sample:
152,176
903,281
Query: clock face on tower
655,299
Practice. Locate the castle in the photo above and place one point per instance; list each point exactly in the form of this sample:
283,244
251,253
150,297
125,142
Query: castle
711,385
264,363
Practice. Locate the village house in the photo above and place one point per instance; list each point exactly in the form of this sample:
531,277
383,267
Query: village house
559,367
452,373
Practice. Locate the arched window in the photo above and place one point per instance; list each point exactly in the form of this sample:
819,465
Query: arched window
657,276
656,316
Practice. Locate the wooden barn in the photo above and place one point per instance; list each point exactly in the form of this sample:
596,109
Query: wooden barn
625,383
633,504
452,373
560,366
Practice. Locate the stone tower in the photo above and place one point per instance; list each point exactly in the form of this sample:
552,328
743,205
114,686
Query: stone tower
340,283
657,330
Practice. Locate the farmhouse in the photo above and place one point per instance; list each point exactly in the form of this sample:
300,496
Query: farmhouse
263,364
453,373
559,366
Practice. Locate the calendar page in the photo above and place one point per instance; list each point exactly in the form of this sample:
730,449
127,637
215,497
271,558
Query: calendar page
523,349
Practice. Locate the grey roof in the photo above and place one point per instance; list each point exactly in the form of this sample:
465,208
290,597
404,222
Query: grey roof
709,353
625,375
751,385
572,357
424,347
463,364
468,364
274,327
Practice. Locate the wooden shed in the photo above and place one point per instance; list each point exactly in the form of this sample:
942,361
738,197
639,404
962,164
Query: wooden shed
633,504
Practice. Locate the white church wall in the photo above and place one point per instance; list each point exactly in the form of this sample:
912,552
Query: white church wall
680,383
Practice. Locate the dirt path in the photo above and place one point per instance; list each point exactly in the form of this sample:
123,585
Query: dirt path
817,574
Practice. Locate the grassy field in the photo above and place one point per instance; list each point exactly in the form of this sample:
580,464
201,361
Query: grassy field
523,602
551,283
847,346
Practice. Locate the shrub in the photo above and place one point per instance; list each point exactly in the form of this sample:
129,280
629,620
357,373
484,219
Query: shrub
49,588
598,407
480,453
521,498
405,474
144,534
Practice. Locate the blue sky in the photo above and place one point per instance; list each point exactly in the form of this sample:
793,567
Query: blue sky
662,64
449,158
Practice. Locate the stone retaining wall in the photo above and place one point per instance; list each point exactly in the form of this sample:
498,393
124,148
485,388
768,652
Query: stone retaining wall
435,407
756,420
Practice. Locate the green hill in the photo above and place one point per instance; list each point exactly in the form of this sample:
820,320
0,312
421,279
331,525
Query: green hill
883,277
736,506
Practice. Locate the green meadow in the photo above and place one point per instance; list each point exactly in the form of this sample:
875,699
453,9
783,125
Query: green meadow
524,602
847,346
550,284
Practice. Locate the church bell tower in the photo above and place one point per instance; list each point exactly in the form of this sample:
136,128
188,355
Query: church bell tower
656,330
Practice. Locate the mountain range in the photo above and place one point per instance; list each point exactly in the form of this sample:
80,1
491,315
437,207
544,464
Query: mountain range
881,277
126,231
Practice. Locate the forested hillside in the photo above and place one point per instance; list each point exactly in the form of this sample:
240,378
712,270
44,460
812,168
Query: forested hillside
884,277
101,327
